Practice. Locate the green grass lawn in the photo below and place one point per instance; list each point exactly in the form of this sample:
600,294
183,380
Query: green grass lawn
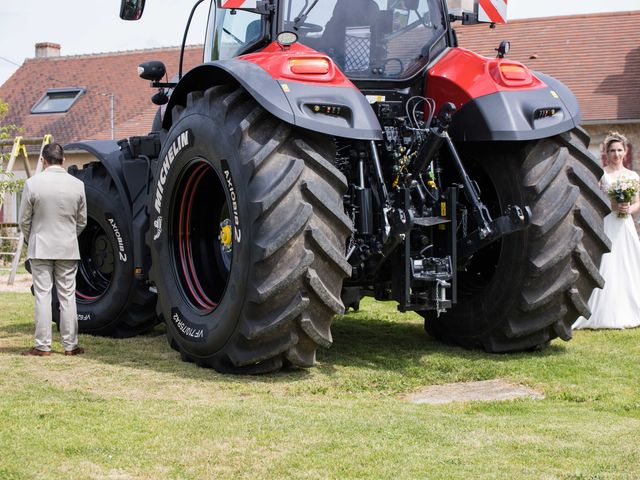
130,409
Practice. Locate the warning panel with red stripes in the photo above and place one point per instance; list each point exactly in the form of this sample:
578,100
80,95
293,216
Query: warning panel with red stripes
239,3
494,11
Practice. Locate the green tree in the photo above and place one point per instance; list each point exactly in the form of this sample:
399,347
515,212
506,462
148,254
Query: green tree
8,182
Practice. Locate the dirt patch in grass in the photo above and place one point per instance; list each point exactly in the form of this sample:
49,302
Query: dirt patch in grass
22,283
482,391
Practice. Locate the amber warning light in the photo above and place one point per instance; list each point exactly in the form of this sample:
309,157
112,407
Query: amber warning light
309,66
514,72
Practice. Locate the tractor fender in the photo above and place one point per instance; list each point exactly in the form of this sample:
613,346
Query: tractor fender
131,178
518,115
302,104
108,153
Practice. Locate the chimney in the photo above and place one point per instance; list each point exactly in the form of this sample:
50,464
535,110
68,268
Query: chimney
46,49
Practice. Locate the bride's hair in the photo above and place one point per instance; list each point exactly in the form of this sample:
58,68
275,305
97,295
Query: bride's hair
614,137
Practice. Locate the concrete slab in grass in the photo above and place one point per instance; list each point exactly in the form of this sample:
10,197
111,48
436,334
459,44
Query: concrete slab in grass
482,391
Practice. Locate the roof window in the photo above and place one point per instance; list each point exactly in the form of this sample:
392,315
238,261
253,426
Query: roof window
57,100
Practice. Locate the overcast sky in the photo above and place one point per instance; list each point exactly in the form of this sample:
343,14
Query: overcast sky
94,26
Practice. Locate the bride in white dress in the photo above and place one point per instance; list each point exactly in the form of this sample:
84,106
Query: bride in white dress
617,305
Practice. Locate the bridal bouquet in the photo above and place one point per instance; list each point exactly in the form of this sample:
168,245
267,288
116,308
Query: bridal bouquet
622,190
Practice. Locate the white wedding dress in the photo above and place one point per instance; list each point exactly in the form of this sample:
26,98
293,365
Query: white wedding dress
617,305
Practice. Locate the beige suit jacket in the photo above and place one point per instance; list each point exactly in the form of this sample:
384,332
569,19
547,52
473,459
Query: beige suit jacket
53,212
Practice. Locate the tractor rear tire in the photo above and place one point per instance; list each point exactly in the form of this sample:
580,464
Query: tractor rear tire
248,235
530,287
110,301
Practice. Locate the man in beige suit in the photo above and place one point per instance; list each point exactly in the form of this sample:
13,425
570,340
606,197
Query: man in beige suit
53,212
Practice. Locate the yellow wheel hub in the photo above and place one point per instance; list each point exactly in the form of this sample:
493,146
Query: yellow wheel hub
226,235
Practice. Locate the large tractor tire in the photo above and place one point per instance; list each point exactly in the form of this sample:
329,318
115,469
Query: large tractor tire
109,299
248,236
530,287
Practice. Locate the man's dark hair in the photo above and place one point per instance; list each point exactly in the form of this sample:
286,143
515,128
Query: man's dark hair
53,153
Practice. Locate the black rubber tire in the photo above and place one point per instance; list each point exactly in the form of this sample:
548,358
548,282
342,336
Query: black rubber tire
110,301
529,288
278,189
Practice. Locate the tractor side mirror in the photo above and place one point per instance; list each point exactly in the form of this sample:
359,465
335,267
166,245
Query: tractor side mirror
131,9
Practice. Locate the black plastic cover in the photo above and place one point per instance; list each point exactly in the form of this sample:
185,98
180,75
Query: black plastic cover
518,115
342,112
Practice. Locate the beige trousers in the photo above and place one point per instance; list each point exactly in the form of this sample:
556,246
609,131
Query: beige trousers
45,274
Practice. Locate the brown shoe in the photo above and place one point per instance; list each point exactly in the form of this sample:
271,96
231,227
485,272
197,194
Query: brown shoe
75,351
34,352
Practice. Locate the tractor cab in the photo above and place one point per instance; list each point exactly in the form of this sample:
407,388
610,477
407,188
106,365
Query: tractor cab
367,39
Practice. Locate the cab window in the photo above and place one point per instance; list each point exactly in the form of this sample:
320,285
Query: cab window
370,39
235,31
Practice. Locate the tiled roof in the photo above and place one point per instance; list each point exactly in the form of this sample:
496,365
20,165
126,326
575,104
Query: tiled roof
597,56
98,74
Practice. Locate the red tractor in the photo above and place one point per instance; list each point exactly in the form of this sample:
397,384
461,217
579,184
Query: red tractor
328,150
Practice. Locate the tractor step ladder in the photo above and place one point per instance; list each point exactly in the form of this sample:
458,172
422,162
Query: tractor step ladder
20,147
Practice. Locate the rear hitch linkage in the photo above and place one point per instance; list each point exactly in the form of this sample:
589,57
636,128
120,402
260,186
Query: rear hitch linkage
489,230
